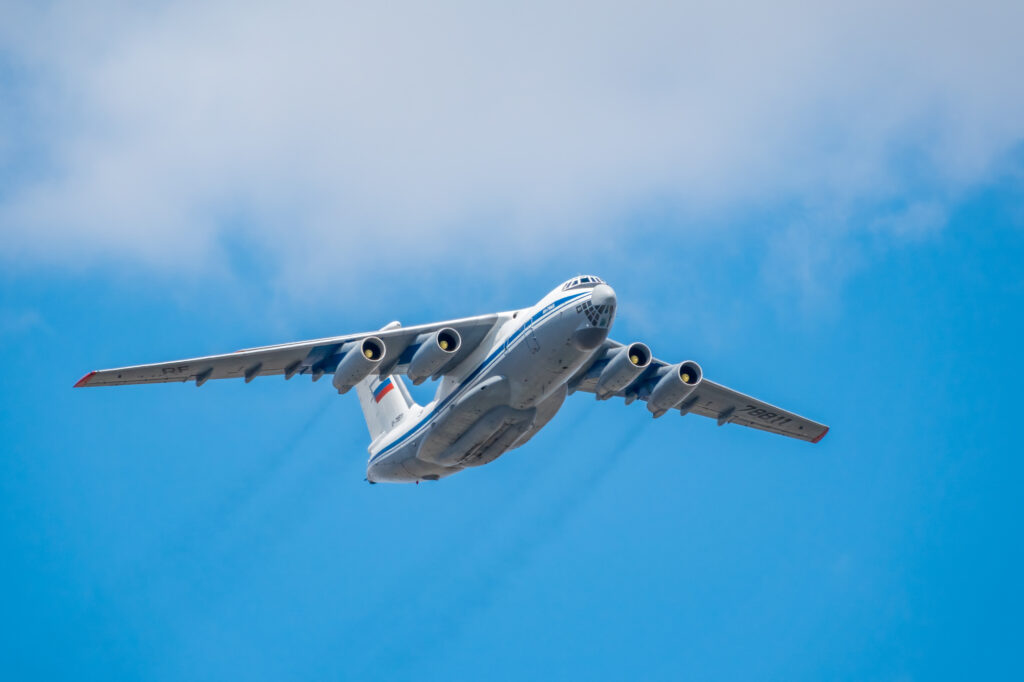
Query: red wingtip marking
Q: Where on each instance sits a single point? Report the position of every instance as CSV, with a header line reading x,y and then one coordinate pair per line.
x,y
821,436
84,380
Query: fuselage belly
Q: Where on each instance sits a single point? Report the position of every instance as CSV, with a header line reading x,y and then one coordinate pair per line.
x,y
515,386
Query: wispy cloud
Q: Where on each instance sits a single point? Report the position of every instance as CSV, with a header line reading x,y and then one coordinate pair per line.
x,y
318,131
15,323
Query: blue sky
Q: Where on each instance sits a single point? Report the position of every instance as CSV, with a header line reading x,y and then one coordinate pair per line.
x,y
830,218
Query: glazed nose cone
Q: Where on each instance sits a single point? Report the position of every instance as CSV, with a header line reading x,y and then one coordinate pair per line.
x,y
602,295
589,336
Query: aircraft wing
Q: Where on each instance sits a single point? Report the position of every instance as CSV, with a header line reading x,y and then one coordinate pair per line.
x,y
316,357
709,399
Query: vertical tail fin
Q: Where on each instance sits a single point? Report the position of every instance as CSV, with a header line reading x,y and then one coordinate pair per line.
x,y
385,402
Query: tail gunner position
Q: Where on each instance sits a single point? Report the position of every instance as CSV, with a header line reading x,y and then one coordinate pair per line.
x,y
501,378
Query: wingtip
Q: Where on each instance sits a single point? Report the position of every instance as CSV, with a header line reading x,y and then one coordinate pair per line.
x,y
820,436
85,380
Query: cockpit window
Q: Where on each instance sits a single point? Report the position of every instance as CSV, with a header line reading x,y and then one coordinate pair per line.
x,y
578,282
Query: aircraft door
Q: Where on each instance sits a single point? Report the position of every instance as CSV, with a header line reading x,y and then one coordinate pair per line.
x,y
529,338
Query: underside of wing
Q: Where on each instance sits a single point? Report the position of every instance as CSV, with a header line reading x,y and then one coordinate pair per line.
x,y
392,350
647,376
732,407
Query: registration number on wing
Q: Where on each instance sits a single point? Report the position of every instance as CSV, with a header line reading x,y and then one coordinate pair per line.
x,y
766,416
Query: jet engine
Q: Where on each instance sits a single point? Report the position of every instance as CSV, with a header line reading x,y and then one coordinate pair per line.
x,y
434,353
358,362
625,366
678,383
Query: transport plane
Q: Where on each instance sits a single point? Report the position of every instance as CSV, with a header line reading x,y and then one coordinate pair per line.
x,y
501,378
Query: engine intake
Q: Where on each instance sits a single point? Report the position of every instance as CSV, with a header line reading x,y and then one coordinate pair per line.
x,y
358,363
624,367
435,351
678,383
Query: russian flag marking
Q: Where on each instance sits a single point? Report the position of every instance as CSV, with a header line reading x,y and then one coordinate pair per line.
x,y
382,390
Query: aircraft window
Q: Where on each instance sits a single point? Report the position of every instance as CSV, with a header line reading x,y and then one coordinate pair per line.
x,y
589,280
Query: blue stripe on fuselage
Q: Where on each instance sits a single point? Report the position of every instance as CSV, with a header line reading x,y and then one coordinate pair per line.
x,y
545,312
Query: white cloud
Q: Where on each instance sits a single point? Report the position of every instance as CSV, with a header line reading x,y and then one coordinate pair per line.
x,y
15,323
315,130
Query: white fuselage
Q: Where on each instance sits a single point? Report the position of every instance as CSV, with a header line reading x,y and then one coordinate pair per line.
x,y
503,393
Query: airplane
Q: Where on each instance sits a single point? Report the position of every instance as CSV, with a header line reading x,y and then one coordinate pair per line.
x,y
502,377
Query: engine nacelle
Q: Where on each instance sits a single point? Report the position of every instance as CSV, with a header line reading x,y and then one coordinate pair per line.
x,y
673,388
624,367
434,352
358,363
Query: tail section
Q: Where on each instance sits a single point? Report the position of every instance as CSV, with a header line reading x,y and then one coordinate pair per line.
x,y
386,402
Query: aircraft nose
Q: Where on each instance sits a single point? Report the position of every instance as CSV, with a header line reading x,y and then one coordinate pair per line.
x,y
602,294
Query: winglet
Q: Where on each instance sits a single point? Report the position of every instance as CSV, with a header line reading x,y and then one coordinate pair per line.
x,y
85,380
822,435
